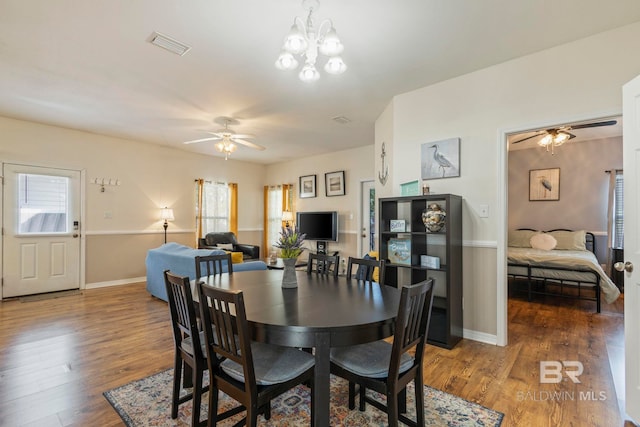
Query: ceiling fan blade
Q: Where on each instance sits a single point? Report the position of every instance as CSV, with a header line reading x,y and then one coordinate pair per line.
x,y
571,136
237,135
593,125
248,144
527,138
212,138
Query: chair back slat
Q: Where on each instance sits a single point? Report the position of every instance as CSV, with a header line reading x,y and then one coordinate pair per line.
x,y
323,264
210,265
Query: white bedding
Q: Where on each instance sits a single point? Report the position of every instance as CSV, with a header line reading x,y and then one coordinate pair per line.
x,y
561,258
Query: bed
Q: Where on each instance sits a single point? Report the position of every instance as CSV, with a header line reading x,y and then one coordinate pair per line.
x,y
558,262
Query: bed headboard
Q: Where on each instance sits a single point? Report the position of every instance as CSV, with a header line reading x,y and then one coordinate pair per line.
x,y
590,238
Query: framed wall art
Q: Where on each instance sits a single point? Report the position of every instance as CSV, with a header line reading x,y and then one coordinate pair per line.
x,y
334,183
544,184
440,159
307,186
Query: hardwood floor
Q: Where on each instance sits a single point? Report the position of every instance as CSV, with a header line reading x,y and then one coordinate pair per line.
x,y
57,356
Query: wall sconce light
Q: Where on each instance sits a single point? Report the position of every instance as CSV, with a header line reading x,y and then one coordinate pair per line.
x,y
105,181
166,214
287,217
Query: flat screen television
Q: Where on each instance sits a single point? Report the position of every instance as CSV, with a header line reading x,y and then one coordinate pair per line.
x,y
318,225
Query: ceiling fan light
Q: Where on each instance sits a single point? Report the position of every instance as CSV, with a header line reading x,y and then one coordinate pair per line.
x,y
220,146
309,73
286,61
335,65
295,42
331,44
561,138
544,142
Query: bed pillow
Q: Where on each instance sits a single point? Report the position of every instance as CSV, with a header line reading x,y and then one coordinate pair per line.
x,y
521,238
570,240
543,241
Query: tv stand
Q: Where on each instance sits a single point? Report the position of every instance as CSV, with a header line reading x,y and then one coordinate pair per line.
x,y
321,247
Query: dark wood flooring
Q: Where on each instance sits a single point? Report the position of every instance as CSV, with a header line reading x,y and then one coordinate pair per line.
x,y
58,356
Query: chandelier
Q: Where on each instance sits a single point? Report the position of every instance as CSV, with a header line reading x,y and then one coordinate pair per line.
x,y
305,41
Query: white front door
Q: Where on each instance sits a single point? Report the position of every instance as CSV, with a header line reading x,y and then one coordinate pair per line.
x,y
41,223
631,152
367,219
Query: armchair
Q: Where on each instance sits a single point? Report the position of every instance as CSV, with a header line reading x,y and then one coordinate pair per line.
x,y
211,240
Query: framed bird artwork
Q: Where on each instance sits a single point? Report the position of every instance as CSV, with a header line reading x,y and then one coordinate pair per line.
x,y
440,159
544,184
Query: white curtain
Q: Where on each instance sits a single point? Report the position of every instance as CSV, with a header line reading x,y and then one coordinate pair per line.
x,y
274,214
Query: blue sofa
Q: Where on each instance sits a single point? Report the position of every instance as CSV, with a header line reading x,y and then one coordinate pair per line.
x,y
180,260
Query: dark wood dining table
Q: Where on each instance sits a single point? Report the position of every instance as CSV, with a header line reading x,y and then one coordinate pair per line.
x,y
322,312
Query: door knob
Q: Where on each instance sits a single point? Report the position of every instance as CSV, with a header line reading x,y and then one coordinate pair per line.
x,y
626,266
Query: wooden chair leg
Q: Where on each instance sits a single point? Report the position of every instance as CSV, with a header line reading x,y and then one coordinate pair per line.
x,y
212,417
197,397
177,373
402,401
419,399
392,409
352,395
363,391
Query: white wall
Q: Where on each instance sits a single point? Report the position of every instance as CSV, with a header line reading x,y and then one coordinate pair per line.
x,y
357,164
579,80
152,176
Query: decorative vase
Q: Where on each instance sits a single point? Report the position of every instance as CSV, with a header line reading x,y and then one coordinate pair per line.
x,y
289,279
434,217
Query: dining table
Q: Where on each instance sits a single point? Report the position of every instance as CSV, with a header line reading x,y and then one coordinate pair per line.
x,y
321,313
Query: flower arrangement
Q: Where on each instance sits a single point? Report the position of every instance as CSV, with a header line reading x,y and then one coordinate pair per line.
x,y
290,242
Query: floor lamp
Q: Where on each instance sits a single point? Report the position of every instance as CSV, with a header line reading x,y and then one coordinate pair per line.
x,y
167,215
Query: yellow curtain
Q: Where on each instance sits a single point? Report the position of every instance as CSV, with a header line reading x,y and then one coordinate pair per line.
x,y
265,222
233,207
199,193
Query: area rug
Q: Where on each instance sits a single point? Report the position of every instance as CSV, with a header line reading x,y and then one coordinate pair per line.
x,y
147,402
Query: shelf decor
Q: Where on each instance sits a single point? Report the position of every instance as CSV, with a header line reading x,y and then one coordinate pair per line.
x,y
399,251
397,226
434,217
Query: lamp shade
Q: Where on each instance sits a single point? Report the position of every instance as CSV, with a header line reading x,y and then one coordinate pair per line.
x,y
287,216
166,214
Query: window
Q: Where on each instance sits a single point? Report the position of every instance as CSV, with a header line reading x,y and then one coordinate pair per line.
x,y
618,212
43,203
215,207
277,198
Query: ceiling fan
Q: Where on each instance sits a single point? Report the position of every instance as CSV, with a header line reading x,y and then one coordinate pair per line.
x,y
227,139
555,137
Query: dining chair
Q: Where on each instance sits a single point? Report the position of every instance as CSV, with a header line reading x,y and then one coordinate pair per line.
x,y
190,352
366,269
323,264
250,372
210,265
388,368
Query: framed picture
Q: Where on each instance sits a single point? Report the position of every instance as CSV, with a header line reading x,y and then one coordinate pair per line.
x,y
544,184
307,186
334,183
440,159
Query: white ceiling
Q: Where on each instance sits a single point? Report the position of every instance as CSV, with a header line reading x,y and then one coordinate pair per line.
x,y
87,64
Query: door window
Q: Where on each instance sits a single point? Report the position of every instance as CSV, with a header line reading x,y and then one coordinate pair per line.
x,y
43,204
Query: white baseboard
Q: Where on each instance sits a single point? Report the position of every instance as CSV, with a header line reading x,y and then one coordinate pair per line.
x,y
480,336
115,282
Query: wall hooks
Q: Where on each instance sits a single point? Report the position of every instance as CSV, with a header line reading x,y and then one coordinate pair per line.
x,y
105,181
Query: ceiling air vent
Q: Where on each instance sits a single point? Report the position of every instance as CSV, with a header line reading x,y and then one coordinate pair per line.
x,y
166,42
342,120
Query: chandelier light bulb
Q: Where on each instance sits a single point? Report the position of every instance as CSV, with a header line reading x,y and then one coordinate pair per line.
x,y
331,44
309,73
286,61
296,42
335,65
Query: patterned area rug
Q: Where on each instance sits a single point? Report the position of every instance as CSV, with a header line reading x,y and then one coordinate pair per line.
x,y
147,402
